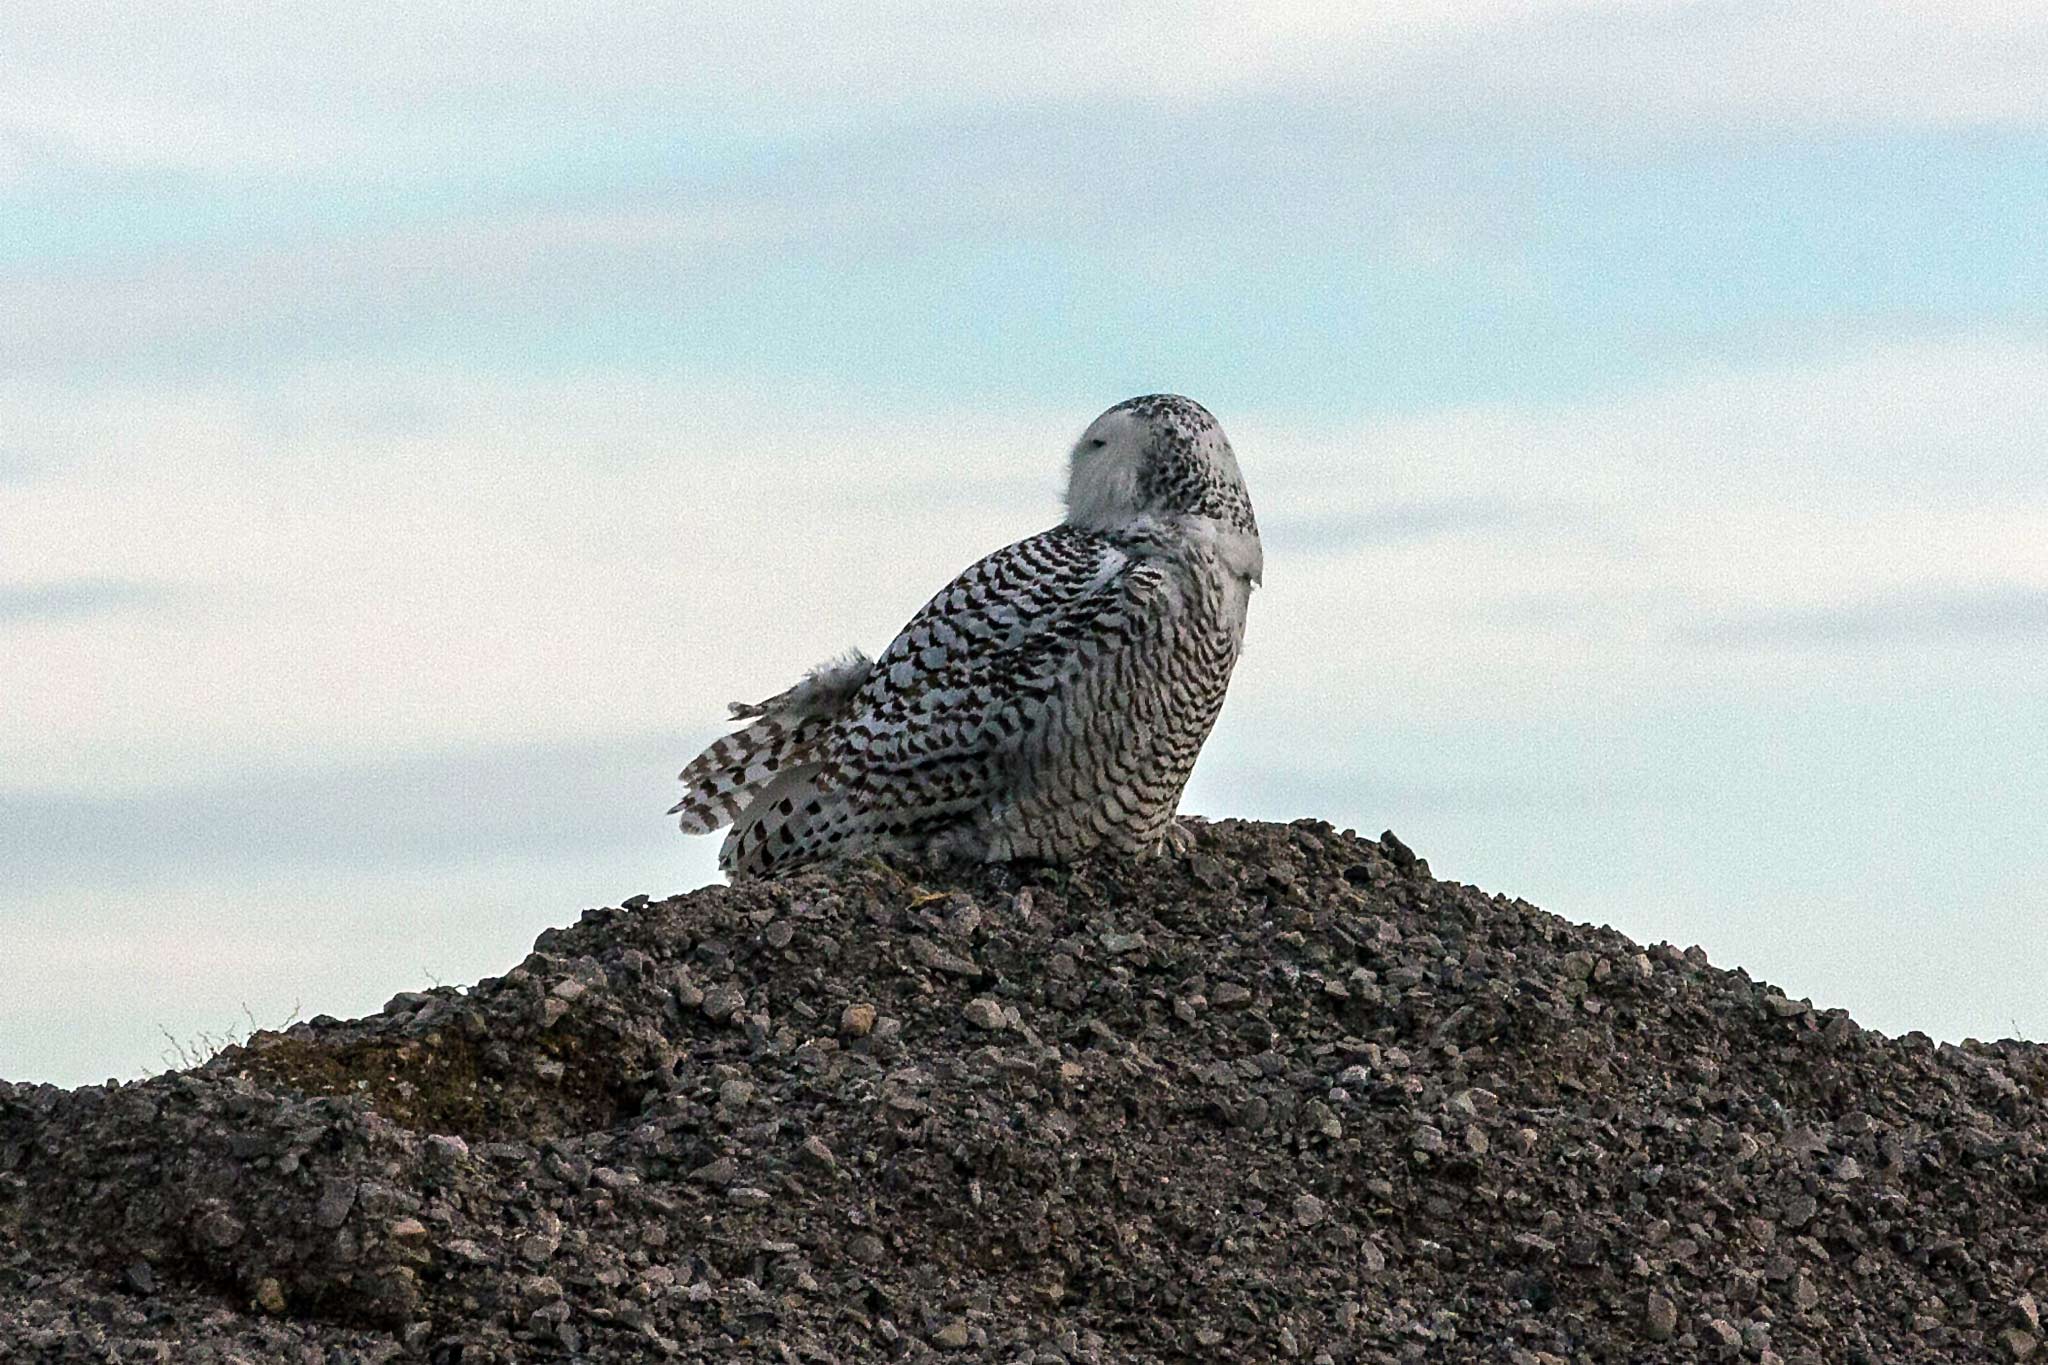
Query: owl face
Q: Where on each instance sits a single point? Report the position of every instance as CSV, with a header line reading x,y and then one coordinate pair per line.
x,y
1156,456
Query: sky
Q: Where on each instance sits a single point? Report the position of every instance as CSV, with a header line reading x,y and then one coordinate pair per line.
x,y
415,426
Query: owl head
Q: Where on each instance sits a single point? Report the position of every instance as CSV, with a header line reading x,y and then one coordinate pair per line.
x,y
1159,456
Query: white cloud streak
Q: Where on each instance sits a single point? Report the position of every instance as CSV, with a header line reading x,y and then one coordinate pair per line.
x,y
374,565
260,89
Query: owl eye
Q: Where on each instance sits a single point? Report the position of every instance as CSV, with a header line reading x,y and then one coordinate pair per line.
x,y
1098,443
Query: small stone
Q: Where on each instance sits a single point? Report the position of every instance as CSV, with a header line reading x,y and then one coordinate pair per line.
x,y
735,1093
408,1230
447,1149
857,1021
952,1337
1229,995
1660,1316
217,1229
984,1013
1324,1120
1398,853
141,1277
749,1196
866,1248
722,1002
818,1154
1804,1295
1798,1211
1724,1334
337,1197
270,1296
2027,1312
569,991
1784,1008
2019,1344
931,956
719,1173
1308,1210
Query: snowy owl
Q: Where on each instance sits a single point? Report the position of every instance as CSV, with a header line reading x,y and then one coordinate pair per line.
x,y
1049,701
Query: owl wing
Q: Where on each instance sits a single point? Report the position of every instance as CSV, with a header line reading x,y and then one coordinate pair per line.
x,y
981,675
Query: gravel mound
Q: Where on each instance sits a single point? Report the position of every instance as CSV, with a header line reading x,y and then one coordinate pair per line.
x,y
1284,1097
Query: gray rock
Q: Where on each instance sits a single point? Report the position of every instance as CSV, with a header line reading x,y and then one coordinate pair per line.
x,y
984,1013
722,1002
1723,1333
1660,1316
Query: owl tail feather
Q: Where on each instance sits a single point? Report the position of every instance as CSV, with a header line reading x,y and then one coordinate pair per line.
x,y
720,783
764,831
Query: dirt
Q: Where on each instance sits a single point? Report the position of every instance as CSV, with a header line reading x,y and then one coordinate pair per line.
x,y
1283,1097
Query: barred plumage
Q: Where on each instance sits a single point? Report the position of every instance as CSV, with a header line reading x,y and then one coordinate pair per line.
x,y
1049,701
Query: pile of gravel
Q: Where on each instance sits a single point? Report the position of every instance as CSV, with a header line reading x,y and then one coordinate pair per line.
x,y
1286,1097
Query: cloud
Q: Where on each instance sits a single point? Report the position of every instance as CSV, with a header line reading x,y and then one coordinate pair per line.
x,y
379,562
422,810
1303,531
1955,616
1902,473
75,598
340,89
1422,266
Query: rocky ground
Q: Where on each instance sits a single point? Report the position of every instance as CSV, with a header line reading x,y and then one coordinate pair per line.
x,y
1284,1098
